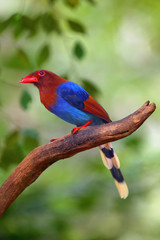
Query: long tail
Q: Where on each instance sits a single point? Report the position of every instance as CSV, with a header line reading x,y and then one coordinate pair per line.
x,y
111,161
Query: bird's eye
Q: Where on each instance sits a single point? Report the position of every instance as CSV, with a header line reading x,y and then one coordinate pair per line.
x,y
41,73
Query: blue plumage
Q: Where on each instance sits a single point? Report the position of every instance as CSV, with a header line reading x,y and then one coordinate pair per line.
x,y
70,104
73,94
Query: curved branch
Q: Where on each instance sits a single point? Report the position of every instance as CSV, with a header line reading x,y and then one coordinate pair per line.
x,y
42,157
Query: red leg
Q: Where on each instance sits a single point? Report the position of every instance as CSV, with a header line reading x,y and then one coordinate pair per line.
x,y
76,129
53,139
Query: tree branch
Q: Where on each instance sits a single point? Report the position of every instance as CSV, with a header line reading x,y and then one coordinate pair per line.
x,y
42,157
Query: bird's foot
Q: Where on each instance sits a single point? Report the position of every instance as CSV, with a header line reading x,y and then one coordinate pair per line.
x,y
76,129
53,139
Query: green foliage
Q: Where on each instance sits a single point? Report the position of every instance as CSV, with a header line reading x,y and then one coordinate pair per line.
x,y
50,23
90,87
76,26
17,145
134,142
92,1
72,3
25,99
20,25
12,152
29,140
43,54
4,24
24,24
79,50
18,60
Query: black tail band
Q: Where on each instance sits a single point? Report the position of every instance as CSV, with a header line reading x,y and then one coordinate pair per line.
x,y
116,173
108,152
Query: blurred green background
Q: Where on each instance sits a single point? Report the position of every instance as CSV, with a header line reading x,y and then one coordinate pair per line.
x,y
112,48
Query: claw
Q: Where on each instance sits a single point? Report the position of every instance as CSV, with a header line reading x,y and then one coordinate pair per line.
x,y
53,139
76,129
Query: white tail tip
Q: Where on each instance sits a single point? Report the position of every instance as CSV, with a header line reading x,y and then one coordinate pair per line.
x,y
122,189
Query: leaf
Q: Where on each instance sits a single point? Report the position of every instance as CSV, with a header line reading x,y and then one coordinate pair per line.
x,y
8,22
72,3
76,26
18,30
12,153
17,145
91,1
49,23
25,99
30,140
21,24
25,24
79,50
43,55
20,60
12,138
33,31
90,87
4,25
23,57
65,76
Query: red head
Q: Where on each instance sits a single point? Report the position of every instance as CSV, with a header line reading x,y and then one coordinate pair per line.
x,y
42,77
47,83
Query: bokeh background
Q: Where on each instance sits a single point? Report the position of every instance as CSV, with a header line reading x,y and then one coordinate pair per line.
x,y
112,48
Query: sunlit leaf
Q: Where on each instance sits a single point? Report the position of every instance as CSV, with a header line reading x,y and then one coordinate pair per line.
x,y
16,18
43,55
90,87
79,50
25,99
76,26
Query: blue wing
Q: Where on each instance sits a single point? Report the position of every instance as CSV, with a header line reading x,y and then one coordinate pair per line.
x,y
76,106
73,94
81,99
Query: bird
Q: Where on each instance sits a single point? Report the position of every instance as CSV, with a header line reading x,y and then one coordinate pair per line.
x,y
72,103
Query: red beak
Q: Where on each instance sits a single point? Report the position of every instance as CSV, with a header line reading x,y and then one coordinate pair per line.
x,y
29,79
